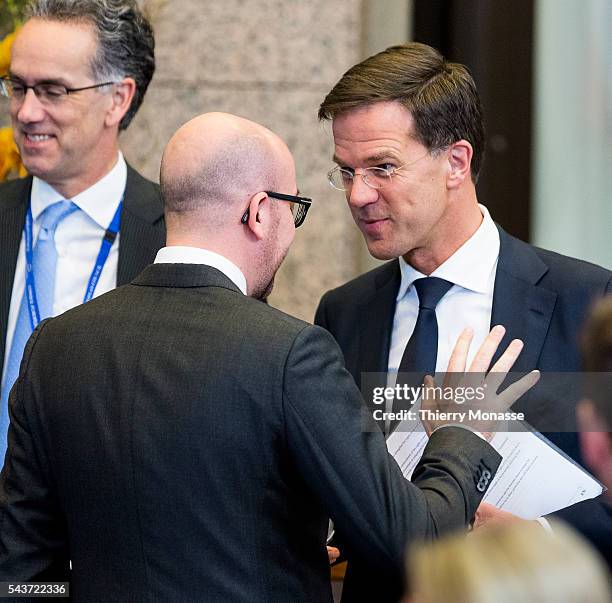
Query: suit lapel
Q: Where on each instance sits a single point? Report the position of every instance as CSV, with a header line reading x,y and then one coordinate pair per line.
x,y
14,199
376,321
519,304
142,233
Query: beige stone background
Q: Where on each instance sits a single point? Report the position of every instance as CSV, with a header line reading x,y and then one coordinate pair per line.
x,y
272,61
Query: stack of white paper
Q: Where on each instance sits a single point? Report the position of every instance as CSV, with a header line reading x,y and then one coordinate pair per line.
x,y
534,478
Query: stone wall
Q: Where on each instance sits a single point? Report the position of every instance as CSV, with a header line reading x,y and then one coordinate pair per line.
x,y
272,61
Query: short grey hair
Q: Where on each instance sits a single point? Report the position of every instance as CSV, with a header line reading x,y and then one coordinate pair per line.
x,y
126,47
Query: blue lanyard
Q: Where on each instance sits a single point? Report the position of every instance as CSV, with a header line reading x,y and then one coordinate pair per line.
x,y
107,242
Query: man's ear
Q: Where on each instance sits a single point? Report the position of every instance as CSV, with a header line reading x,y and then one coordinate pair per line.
x,y
122,94
460,160
595,439
259,213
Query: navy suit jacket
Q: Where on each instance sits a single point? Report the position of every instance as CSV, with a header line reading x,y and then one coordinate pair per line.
x,y
540,297
143,233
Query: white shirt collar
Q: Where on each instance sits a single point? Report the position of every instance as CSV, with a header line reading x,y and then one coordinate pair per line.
x,y
469,267
195,255
99,201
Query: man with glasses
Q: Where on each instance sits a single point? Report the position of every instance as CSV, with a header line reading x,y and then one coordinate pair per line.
x,y
181,441
83,221
409,144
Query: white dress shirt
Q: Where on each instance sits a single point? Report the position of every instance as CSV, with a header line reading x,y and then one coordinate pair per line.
x,y
77,239
467,303
195,255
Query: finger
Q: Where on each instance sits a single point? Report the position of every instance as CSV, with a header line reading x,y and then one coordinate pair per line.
x,y
483,514
428,399
429,385
454,379
428,402
458,358
485,509
513,392
508,358
506,361
487,350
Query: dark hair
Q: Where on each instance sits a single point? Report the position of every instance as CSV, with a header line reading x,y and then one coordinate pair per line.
x,y
441,96
126,47
597,357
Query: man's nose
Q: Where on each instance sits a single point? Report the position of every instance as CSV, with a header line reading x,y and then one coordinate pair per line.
x,y
30,109
360,194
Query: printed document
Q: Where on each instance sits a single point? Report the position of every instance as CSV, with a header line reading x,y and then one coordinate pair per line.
x,y
535,478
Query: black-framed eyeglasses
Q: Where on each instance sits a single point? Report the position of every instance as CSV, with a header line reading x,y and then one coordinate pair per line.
x,y
299,207
49,93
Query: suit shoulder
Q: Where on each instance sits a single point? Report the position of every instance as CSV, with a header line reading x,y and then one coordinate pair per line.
x,y
559,272
264,317
277,330
14,188
573,269
261,320
138,185
362,285
140,181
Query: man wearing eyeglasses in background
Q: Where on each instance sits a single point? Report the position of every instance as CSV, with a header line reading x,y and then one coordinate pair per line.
x,y
84,221
409,143
209,436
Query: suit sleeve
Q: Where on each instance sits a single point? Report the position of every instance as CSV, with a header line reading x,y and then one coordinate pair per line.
x,y
341,453
33,536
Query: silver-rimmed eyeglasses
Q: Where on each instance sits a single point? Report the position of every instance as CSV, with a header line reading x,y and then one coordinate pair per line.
x,y
341,178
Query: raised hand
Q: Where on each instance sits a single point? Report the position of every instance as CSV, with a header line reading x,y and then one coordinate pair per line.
x,y
486,411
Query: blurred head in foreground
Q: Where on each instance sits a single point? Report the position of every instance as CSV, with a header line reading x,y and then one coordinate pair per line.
x,y
595,411
509,563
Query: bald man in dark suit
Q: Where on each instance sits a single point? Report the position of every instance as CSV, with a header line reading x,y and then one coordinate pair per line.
x,y
178,440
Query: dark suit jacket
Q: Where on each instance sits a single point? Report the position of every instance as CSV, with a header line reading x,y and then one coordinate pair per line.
x,y
142,234
182,442
540,297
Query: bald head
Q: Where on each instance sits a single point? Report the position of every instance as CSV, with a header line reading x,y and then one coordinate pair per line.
x,y
214,163
215,168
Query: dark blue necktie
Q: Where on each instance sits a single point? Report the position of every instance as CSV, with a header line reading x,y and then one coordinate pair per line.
x,y
421,353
